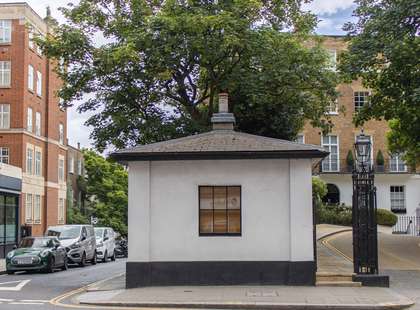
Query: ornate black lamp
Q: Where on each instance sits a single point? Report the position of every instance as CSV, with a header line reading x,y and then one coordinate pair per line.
x,y
365,235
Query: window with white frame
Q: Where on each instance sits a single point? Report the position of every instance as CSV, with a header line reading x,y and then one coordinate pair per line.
x,y
39,83
5,31
38,123
60,168
29,160
361,98
4,155
61,133
28,209
30,78
333,107
71,164
300,138
79,167
397,195
38,48
5,116
29,118
61,211
5,73
37,209
332,59
31,39
38,162
331,163
397,164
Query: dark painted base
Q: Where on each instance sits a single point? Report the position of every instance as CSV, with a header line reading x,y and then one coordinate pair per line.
x,y
372,280
220,273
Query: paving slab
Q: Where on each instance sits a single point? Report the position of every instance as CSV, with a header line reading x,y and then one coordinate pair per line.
x,y
246,297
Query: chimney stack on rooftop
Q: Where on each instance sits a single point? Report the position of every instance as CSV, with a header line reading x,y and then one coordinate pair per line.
x,y
223,120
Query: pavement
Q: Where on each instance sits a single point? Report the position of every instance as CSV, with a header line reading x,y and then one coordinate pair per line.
x,y
245,297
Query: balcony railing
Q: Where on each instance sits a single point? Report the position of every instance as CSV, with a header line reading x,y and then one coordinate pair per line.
x,y
341,166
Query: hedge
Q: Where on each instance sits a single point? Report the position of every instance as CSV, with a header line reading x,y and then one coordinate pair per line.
x,y
342,215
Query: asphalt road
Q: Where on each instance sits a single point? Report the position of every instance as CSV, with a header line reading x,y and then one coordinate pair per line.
x,y
396,252
36,290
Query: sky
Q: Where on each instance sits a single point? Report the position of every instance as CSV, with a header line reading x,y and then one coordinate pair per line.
x,y
331,13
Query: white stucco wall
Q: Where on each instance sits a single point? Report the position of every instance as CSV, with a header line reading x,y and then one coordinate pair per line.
x,y
382,183
163,210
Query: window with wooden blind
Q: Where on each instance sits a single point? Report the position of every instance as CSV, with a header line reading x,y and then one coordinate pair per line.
x,y
220,210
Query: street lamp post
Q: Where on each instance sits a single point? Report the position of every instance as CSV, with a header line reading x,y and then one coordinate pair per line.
x,y
365,235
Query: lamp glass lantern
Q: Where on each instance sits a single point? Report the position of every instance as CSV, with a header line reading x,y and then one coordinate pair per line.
x,y
363,148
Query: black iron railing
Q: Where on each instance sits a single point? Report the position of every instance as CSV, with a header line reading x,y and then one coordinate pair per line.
x,y
342,166
407,225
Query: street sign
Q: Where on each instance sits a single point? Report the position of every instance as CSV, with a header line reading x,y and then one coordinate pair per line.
x,y
93,220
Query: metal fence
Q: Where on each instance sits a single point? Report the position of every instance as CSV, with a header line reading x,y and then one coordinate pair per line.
x,y
407,225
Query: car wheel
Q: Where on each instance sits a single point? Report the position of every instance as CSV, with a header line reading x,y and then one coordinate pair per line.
x,y
65,267
105,257
94,259
113,257
83,260
10,272
50,268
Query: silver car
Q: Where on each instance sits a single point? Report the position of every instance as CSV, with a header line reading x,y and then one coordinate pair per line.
x,y
105,243
78,240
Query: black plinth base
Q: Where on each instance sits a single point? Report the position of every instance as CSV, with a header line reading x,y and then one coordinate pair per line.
x,y
378,280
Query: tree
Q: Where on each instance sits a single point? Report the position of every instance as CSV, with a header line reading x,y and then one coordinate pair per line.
x,y
384,51
158,72
107,191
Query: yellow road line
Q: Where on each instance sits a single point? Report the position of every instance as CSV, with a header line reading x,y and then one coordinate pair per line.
x,y
326,243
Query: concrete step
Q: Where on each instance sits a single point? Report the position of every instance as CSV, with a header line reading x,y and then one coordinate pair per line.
x,y
339,283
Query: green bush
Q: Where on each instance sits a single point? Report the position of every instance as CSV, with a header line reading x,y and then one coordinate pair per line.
x,y
342,215
350,159
385,217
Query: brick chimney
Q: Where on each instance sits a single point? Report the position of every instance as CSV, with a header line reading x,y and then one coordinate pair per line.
x,y
223,120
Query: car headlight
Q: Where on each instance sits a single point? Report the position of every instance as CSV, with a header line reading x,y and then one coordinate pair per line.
x,y
45,253
10,254
75,245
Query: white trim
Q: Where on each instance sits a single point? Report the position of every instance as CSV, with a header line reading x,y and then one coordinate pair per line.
x,y
41,138
338,152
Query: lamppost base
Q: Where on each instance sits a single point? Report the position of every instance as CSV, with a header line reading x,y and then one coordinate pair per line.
x,y
378,280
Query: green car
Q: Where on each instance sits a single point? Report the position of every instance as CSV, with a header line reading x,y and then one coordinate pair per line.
x,y
37,253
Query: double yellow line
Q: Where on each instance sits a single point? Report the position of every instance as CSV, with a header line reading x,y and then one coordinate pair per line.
x,y
326,242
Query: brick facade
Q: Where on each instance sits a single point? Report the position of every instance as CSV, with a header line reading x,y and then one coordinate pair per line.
x,y
41,180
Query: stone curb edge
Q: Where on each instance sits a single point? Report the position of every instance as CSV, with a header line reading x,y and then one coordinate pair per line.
x,y
403,304
334,233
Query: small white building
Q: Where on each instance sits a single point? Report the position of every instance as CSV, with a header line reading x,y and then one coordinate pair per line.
x,y
220,208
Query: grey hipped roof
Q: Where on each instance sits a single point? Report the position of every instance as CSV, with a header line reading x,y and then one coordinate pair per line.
x,y
220,144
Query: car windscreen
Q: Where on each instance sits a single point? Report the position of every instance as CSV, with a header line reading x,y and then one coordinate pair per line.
x,y
65,232
99,232
36,243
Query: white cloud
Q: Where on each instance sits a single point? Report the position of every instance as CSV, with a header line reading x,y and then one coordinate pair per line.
x,y
328,7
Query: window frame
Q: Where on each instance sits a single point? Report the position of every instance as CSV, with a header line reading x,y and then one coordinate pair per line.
x,y
396,160
61,169
328,158
61,133
61,218
31,77
398,209
366,96
5,70
224,234
4,116
37,215
29,119
70,167
38,162
38,121
29,159
4,148
29,215
6,25
39,83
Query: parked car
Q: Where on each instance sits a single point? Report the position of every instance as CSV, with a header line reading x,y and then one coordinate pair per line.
x,y
37,253
121,247
79,241
105,243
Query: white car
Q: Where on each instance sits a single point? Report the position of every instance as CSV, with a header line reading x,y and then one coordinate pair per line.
x,y
105,243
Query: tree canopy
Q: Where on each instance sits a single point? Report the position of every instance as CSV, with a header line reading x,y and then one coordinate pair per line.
x,y
106,191
158,66
384,51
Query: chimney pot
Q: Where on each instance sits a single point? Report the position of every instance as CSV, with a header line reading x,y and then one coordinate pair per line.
x,y
223,120
78,145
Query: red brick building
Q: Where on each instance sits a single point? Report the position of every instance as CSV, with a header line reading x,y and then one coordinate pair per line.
x,y
32,125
